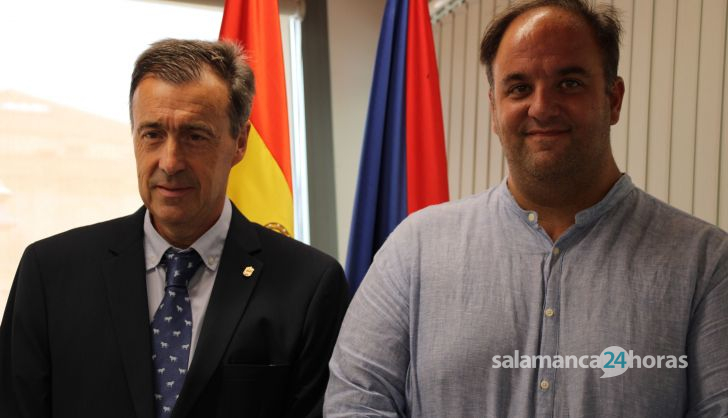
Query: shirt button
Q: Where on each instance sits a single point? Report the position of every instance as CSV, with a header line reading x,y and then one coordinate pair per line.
x,y
531,217
210,260
557,251
549,312
544,385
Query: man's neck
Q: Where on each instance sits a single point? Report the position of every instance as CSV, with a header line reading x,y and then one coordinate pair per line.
x,y
558,202
183,236
179,237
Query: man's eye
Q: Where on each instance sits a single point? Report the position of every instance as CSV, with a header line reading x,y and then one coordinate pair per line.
x,y
197,137
519,90
571,84
151,135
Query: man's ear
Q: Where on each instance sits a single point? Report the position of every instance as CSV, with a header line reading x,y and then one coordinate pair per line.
x,y
616,94
241,142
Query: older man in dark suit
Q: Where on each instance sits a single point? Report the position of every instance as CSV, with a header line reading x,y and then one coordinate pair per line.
x,y
184,308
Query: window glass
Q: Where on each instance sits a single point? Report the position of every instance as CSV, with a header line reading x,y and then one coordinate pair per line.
x,y
66,157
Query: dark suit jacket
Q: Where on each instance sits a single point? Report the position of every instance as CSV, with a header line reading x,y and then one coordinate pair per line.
x,y
75,338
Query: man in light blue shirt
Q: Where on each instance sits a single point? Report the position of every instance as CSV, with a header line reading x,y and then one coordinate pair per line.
x,y
623,298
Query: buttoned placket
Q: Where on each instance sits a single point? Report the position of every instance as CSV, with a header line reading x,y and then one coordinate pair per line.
x,y
551,270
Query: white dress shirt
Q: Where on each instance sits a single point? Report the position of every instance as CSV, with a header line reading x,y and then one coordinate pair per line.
x,y
209,246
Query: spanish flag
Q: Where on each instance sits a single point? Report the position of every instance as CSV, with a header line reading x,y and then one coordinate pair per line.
x,y
260,185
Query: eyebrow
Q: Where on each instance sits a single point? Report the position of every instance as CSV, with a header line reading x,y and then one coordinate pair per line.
x,y
513,77
571,70
191,126
196,126
148,125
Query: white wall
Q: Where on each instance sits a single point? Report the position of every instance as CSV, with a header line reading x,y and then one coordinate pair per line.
x,y
353,35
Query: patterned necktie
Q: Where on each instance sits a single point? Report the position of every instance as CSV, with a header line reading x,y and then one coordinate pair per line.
x,y
172,330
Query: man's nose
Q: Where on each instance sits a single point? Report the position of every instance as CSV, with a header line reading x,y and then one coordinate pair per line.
x,y
544,104
172,159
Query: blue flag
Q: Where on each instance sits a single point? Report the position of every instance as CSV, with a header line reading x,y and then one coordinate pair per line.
x,y
403,166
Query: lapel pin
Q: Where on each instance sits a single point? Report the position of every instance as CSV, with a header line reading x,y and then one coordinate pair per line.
x,y
248,271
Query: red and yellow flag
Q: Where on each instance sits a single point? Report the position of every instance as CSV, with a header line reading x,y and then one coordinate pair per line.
x,y
260,185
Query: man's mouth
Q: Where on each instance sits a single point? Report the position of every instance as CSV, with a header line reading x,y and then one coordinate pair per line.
x,y
172,191
546,132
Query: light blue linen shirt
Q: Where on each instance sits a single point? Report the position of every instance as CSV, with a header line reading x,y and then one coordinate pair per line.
x,y
459,283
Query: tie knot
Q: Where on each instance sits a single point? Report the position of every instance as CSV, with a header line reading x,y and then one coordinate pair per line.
x,y
181,265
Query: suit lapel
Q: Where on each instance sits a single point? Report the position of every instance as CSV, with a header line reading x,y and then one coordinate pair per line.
x,y
127,294
236,278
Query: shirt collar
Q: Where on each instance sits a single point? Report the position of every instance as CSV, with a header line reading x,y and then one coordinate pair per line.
x,y
619,190
209,245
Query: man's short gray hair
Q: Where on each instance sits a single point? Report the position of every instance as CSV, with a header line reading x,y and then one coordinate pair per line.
x,y
179,61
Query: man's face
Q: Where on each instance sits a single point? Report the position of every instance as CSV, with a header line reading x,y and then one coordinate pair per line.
x,y
184,151
549,97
